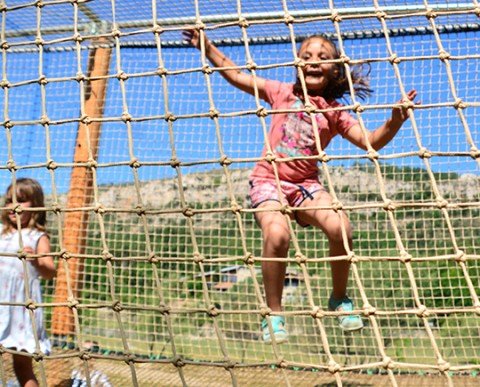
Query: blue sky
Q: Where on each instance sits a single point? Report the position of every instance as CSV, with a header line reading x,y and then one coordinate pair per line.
x,y
195,140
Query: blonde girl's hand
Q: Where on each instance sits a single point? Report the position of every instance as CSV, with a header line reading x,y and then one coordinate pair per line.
x,y
400,114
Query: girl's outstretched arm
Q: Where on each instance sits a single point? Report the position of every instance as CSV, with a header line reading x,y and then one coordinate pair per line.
x,y
385,133
236,77
44,264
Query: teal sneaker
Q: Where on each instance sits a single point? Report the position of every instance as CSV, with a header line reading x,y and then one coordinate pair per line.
x,y
278,328
348,323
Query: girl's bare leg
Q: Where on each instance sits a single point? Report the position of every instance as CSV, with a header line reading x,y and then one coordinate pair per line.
x,y
276,241
24,371
330,222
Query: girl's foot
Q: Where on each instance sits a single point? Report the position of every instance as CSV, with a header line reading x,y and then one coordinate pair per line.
x,y
348,323
278,328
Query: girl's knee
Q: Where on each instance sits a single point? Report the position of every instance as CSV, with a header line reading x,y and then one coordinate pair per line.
x,y
276,237
339,229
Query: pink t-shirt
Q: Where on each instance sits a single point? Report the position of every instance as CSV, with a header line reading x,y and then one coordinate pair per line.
x,y
291,134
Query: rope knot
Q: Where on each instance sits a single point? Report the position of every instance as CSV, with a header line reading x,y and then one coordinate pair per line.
x,y
474,153
79,77
300,258
286,210
288,19
140,210
42,80
52,165
30,304
430,14
422,311
251,65
85,119
460,256
188,212
337,205
38,356
117,306
236,208
64,254
387,363
333,366
424,153
152,258
352,258
213,113
206,69
126,117
358,108
389,205
161,71
459,104
169,116
261,112
369,310
380,15
299,63
265,311
157,30
309,108
443,55
99,208
394,59
116,33
198,258
164,309
335,17
443,365
270,157
4,84
39,41
56,208
213,311
129,358
249,259
134,163
199,25
405,257
230,364
122,76
174,162
317,312
442,203
91,164
72,302
107,256
243,23
225,161
323,157
85,355
282,364
178,362
8,124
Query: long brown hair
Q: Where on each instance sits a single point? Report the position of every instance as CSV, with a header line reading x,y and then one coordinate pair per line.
x,y
338,86
26,190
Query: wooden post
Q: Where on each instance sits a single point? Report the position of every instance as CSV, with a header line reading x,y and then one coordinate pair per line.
x,y
80,193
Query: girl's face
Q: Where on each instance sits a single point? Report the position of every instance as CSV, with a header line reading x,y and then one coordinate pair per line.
x,y
25,216
317,76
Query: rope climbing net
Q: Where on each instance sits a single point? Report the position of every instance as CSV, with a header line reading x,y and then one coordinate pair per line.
x,y
144,152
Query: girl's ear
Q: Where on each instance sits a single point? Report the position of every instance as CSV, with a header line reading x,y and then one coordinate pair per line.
x,y
339,71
